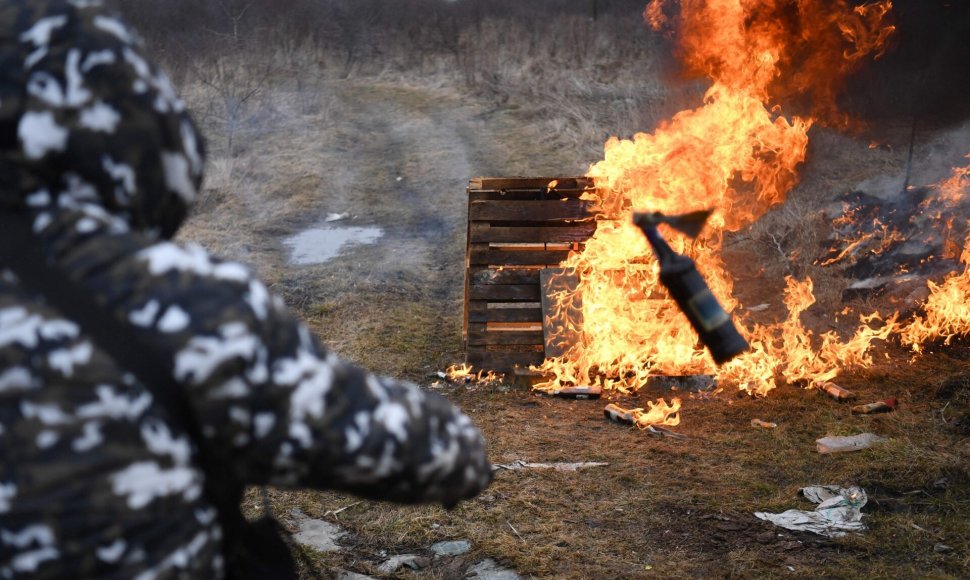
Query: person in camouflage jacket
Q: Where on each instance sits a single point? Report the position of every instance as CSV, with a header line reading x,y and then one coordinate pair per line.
x,y
96,480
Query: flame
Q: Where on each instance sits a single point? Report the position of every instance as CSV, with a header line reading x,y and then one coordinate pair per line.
x,y
658,413
946,311
464,373
738,153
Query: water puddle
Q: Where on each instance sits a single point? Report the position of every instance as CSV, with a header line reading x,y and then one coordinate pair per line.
x,y
323,243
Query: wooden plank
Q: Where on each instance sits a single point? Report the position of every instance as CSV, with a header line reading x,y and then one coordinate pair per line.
x,y
495,338
478,275
485,256
503,292
524,195
479,312
504,362
529,211
559,319
513,326
528,182
483,232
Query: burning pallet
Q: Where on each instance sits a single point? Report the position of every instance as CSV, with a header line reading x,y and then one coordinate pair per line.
x,y
517,228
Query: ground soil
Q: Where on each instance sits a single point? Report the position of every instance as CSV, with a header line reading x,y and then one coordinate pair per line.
x,y
398,156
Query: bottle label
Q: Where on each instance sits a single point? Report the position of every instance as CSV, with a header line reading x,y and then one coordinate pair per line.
x,y
707,310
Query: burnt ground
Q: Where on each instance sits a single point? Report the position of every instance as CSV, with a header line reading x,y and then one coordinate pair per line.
x,y
661,507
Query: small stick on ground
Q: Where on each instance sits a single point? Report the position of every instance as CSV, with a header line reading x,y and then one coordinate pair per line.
x,y
334,513
517,534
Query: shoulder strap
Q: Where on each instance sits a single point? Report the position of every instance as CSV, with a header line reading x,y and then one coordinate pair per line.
x,y
20,251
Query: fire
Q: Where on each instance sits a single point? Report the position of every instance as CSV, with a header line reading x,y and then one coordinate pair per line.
x,y
659,413
947,310
465,373
946,313
737,153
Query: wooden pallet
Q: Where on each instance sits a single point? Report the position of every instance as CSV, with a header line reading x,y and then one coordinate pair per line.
x,y
516,227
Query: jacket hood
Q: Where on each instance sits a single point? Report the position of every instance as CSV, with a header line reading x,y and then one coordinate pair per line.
x,y
87,120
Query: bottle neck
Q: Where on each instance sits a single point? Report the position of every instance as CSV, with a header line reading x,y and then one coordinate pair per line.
x,y
665,254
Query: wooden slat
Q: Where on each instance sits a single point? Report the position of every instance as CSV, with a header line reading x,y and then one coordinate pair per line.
x,y
494,338
479,312
479,275
527,182
503,292
501,361
523,194
529,211
479,256
482,232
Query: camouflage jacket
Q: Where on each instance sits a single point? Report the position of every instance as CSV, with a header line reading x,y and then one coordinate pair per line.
x,y
98,152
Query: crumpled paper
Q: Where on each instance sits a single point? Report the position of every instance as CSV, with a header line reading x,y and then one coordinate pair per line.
x,y
838,512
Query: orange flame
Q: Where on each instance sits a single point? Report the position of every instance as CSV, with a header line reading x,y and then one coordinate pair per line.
x,y
946,313
737,153
464,373
947,310
658,413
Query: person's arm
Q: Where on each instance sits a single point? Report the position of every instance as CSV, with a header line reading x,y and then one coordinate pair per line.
x,y
266,392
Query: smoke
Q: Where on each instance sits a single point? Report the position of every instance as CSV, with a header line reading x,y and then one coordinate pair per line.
x,y
925,74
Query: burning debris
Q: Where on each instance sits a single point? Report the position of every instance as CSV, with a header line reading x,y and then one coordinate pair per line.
x,y
657,414
464,374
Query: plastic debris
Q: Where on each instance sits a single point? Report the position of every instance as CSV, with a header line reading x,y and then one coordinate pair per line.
x,y
618,414
941,548
838,512
594,392
763,424
876,407
335,217
848,443
835,391
519,464
663,432
452,548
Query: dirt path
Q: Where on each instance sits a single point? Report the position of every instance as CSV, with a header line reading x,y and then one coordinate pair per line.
x,y
395,157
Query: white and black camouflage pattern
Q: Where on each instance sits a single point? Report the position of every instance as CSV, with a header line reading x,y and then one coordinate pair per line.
x,y
98,152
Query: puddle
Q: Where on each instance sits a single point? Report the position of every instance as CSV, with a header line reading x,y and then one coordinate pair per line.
x,y
323,243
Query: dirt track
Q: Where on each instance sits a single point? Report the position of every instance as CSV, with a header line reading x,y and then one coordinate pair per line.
x,y
392,156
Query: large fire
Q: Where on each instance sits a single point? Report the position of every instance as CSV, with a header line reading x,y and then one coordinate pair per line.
x,y
736,153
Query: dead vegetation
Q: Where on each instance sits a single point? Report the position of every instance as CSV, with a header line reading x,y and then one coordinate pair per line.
x,y
329,107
